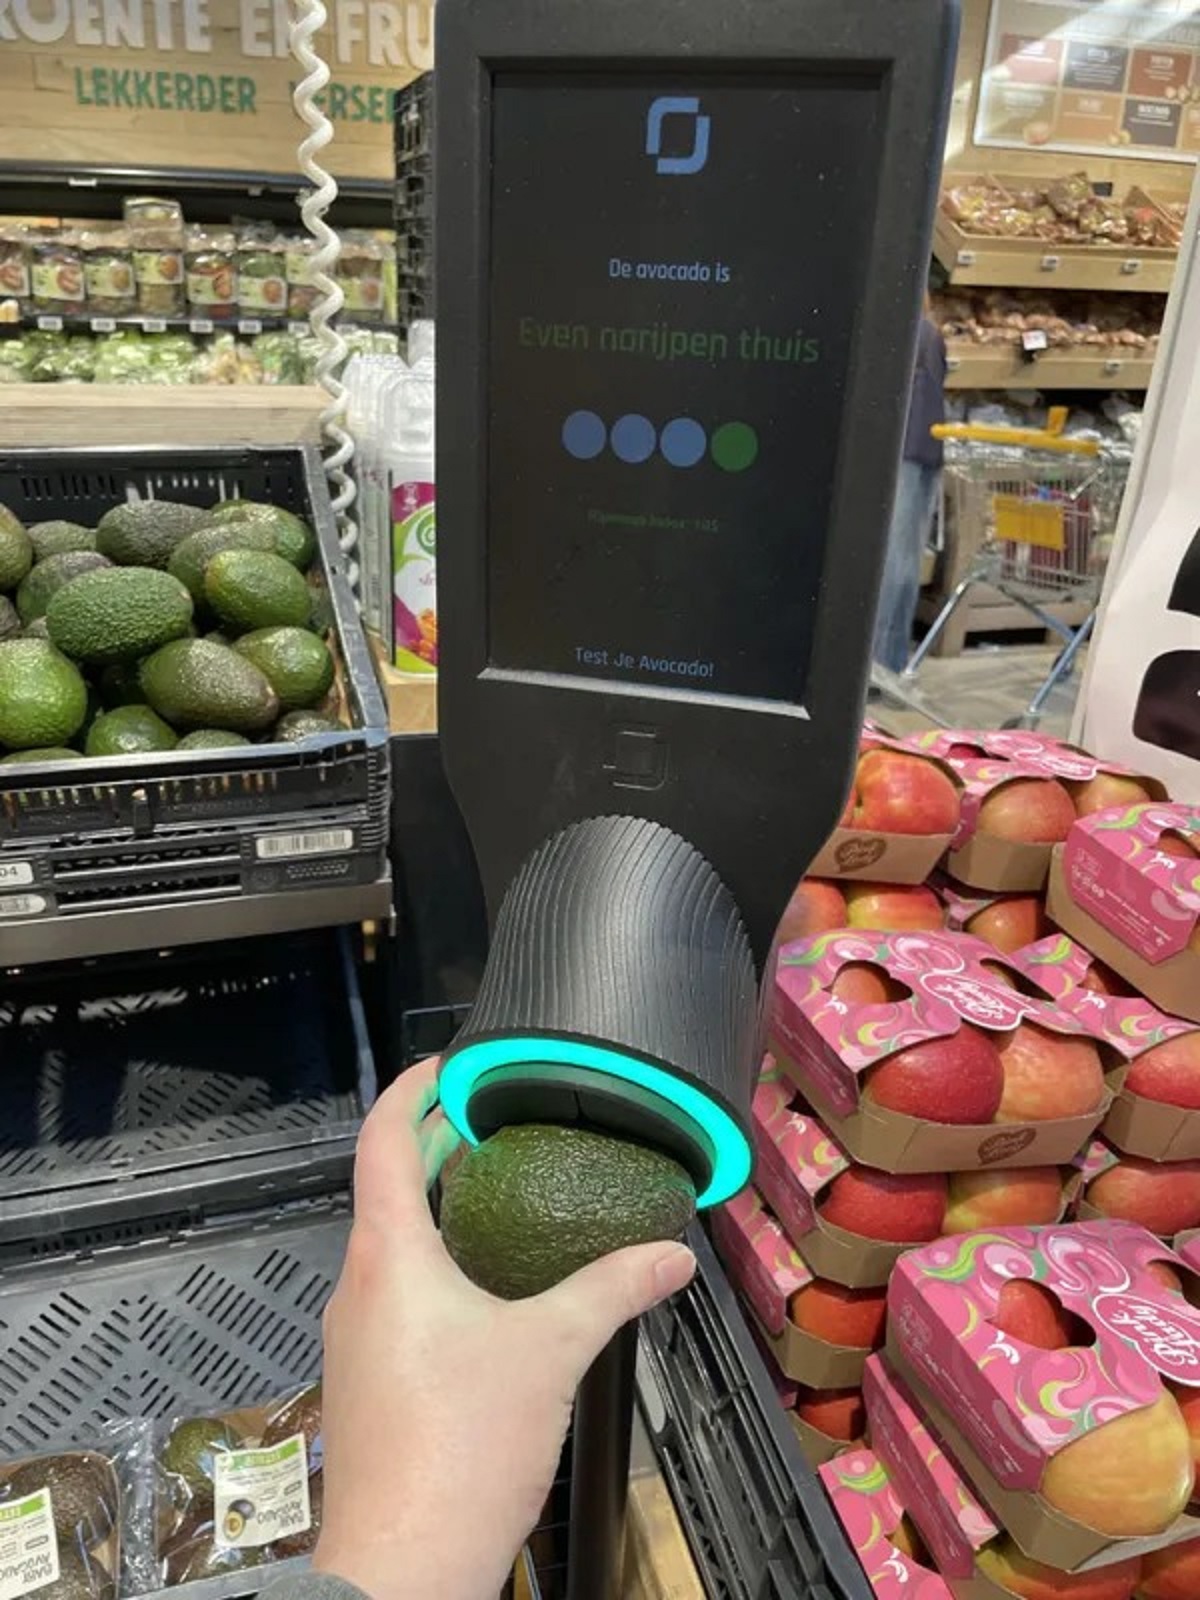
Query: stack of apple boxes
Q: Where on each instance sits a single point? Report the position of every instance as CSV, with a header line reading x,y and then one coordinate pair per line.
x,y
926,1124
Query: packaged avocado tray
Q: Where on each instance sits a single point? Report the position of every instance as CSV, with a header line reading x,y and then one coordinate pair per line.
x,y
141,851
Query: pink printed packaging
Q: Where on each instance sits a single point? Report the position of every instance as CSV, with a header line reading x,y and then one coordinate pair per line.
x,y
1009,1412
940,1501
1074,768
869,1510
767,1272
1128,888
796,1161
871,850
828,1046
1138,1123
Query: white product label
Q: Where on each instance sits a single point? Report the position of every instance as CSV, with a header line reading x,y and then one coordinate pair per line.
x,y
28,1546
260,1495
320,842
15,874
22,905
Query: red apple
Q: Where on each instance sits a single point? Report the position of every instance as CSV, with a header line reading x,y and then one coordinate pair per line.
x,y
1011,923
1028,811
1188,1401
1030,1313
1010,1569
1170,1072
1166,1275
1101,979
961,751
901,1208
1048,1075
1174,844
1106,791
861,983
1164,1197
851,1317
1012,1197
837,1413
1128,1477
1172,1574
816,907
894,908
956,1079
898,793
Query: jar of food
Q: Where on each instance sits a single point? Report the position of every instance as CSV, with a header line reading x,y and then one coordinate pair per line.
x,y
262,278
108,273
15,282
158,268
57,276
212,274
302,295
359,273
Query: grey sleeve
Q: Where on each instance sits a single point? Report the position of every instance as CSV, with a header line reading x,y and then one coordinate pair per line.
x,y
311,1586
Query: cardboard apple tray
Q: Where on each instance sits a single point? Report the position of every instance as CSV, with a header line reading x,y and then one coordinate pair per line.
x,y
1128,1026
1130,903
796,1162
879,856
826,1046
1001,1408
940,1501
767,1271
869,1510
1051,757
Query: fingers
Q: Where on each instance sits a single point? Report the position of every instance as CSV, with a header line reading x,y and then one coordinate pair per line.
x,y
588,1307
438,1141
390,1164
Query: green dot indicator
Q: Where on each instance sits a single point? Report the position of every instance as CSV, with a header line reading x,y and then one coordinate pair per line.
x,y
735,446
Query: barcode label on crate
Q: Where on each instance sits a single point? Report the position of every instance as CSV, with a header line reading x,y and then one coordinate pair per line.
x,y
15,874
22,905
261,1495
317,842
28,1545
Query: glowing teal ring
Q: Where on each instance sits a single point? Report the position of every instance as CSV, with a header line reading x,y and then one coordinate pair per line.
x,y
732,1158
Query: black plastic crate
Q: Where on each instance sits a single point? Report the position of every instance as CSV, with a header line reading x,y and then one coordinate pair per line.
x,y
212,1078
413,201
415,298
182,837
414,120
755,1514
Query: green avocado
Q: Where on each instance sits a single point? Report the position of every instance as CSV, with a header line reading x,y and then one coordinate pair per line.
x,y
251,589
189,1452
145,532
83,1492
49,576
210,739
190,559
16,550
294,539
53,752
533,1204
129,730
296,725
52,538
195,683
119,614
296,664
202,1557
43,700
10,619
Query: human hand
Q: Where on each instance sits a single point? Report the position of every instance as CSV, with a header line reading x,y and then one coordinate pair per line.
x,y
444,1408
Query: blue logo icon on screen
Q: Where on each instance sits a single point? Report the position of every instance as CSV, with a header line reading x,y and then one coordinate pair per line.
x,y
668,105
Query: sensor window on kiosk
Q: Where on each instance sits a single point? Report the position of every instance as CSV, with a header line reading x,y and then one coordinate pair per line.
x,y
676,267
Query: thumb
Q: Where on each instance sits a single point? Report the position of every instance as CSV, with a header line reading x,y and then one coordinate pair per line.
x,y
587,1308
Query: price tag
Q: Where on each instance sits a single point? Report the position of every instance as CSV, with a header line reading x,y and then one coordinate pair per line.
x,y
15,874
50,324
1131,266
23,905
260,1495
1034,339
103,325
200,325
250,325
154,325
965,258
1051,263
1112,366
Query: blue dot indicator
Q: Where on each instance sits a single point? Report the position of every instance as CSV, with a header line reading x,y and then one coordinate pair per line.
x,y
583,435
683,442
633,439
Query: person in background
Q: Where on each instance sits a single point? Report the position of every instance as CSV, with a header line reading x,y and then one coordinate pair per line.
x,y
916,498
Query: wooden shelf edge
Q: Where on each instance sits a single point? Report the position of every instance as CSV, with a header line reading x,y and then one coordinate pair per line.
x,y
112,414
1004,367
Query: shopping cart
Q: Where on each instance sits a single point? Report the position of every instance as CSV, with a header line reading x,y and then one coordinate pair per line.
x,y
1039,509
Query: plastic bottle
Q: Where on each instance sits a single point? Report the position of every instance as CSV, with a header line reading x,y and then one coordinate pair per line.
x,y
409,453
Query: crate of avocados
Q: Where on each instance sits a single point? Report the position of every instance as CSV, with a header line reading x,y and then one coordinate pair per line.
x,y
194,743
756,1517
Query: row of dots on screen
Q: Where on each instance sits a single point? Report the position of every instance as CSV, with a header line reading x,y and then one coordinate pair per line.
x,y
681,442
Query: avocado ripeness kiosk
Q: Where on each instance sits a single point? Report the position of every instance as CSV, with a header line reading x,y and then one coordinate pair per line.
x,y
681,250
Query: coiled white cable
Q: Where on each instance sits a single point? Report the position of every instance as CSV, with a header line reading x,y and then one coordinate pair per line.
x,y
308,17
